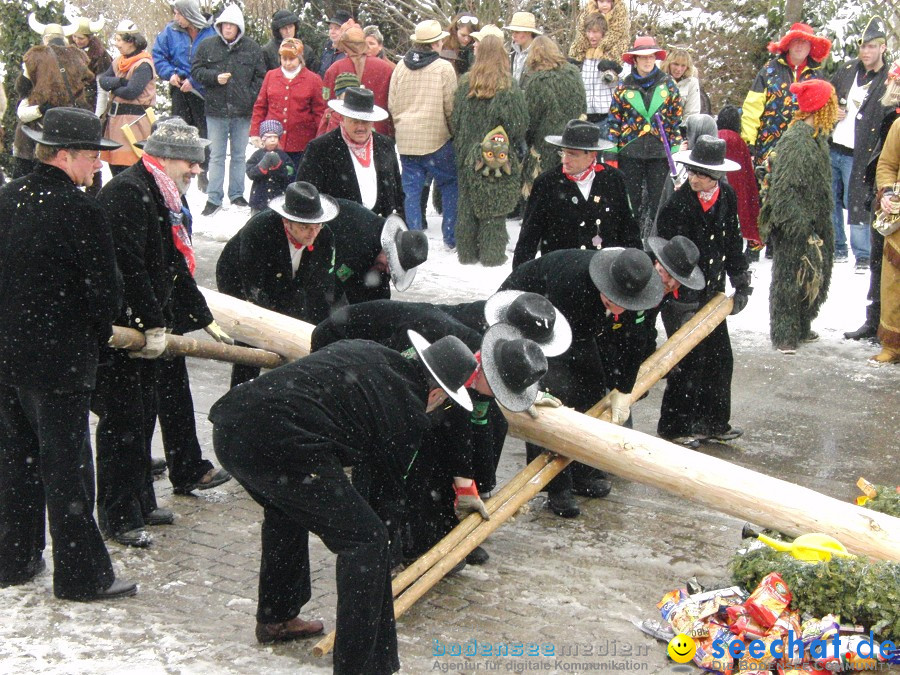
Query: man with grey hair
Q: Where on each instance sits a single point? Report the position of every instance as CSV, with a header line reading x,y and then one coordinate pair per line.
x,y
146,210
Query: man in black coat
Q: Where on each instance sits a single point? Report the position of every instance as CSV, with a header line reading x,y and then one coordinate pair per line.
x,y
697,401
146,210
578,204
286,24
282,259
353,161
286,437
59,292
603,295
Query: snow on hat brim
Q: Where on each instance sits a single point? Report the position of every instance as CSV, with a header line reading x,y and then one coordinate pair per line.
x,y
819,46
497,306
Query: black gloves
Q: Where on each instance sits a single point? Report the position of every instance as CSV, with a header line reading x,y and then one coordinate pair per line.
x,y
742,291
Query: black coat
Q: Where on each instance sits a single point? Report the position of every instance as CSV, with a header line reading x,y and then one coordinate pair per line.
x,y
866,139
356,398
717,233
273,60
557,216
255,265
606,350
59,286
327,164
150,263
356,232
244,60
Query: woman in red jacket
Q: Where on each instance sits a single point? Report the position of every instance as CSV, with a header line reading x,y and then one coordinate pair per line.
x,y
743,181
291,94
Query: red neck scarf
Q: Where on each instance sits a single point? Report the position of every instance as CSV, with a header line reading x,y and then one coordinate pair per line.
x,y
294,242
362,151
707,199
172,198
578,177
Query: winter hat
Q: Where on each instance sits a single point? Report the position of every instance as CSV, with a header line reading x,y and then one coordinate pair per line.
x,y
291,47
819,46
513,366
282,18
626,276
190,10
450,363
271,127
84,26
176,139
729,118
524,21
344,81
812,94
644,45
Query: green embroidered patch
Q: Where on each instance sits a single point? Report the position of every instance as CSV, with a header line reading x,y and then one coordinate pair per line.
x,y
326,93
343,273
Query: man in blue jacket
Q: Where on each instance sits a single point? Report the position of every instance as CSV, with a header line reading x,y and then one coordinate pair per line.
x,y
172,53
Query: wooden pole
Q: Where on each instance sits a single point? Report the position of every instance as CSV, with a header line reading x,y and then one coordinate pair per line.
x,y
178,345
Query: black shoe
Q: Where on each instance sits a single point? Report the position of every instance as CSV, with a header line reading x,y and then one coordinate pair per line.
x,y
159,517
240,201
30,573
158,466
210,209
478,556
137,538
212,478
563,504
597,488
862,265
117,589
865,332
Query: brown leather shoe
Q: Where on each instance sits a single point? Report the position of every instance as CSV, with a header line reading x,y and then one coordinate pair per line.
x,y
295,629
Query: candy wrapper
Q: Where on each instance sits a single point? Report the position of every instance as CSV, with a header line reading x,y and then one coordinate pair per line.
x,y
769,600
819,629
670,601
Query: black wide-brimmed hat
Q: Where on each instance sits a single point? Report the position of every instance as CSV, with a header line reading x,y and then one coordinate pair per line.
x,y
73,128
708,155
302,203
534,316
449,361
358,104
626,276
513,366
405,250
679,256
580,135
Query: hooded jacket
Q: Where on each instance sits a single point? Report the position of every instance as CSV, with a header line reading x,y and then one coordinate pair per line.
x,y
242,58
174,50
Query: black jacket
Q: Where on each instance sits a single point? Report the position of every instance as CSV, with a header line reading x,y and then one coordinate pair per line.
x,y
327,164
557,216
356,399
356,233
255,265
273,60
717,233
244,60
329,56
151,266
866,138
266,186
59,286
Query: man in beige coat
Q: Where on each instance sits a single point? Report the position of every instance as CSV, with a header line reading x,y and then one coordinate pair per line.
x,y
420,100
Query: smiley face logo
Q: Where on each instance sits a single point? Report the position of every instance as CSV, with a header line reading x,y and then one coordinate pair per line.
x,y
681,648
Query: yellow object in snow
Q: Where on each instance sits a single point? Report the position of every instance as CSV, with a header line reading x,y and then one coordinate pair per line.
x,y
815,547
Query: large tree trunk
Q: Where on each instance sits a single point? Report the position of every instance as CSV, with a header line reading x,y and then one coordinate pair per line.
x,y
793,12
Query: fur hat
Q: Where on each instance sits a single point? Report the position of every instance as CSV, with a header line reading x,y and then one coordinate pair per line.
x,y
819,46
291,47
812,94
267,127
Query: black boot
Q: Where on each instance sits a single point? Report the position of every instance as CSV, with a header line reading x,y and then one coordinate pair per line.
x,y
868,330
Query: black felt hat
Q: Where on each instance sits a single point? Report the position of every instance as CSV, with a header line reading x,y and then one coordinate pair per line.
x,y
679,256
405,250
513,366
580,135
74,128
302,203
449,361
534,316
626,276
707,155
358,104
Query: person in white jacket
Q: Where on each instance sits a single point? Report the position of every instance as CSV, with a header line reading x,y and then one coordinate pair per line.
x,y
680,65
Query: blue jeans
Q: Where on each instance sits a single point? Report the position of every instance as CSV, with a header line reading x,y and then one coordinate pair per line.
x,y
417,169
220,129
841,166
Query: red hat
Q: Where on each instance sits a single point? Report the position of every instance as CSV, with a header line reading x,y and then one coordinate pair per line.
x,y
812,94
819,46
644,45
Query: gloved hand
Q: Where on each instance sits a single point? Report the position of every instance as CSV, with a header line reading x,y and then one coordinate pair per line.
x,y
469,501
217,334
28,113
269,161
154,345
620,405
741,296
544,399
255,141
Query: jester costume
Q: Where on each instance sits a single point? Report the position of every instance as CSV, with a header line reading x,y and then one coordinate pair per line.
x,y
796,215
487,134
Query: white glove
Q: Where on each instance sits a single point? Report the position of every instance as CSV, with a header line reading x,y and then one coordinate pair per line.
x,y
28,113
217,334
154,344
546,400
469,501
620,405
